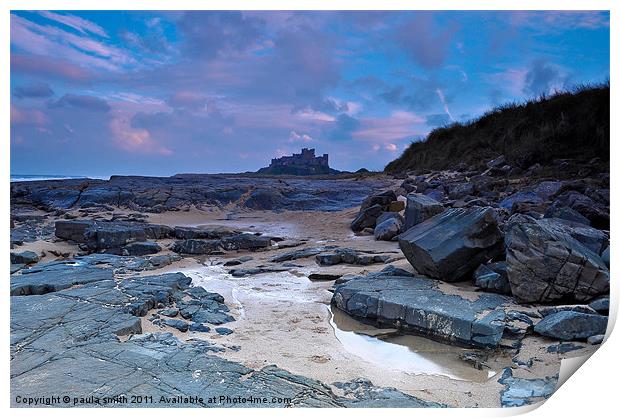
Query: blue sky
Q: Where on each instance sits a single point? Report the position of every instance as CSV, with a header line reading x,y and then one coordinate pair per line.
x,y
159,93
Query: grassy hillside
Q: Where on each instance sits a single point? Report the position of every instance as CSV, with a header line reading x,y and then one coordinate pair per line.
x,y
572,124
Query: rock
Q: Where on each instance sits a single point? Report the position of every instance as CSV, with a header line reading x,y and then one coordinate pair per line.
x,y
324,276
169,312
389,215
387,229
597,214
460,190
237,261
420,208
591,238
303,253
328,259
417,305
382,199
605,256
563,348
25,257
493,277
537,196
546,311
520,392
255,270
55,276
245,241
596,339
567,214
568,325
196,246
435,194
198,327
176,324
600,305
396,206
141,248
366,218
545,264
223,331
349,256
496,162
451,245
186,232
73,230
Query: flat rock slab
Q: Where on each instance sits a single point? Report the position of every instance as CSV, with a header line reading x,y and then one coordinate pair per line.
x,y
416,304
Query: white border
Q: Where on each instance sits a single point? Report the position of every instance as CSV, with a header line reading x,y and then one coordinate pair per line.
x,y
592,391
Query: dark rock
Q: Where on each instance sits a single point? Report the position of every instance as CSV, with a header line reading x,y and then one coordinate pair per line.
x,y
389,215
223,331
591,238
496,162
256,270
545,264
176,324
237,261
198,327
545,311
387,229
600,305
417,305
196,246
186,232
460,190
537,196
493,277
605,256
597,214
25,257
366,218
596,339
324,276
567,214
564,348
55,276
382,199
567,325
141,248
169,312
452,244
245,241
303,253
420,208
73,230
520,392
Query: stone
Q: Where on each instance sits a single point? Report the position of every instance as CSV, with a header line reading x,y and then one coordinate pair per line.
x,y
591,238
238,260
596,339
55,276
389,215
25,257
496,162
520,392
546,264
449,246
387,229
605,256
493,277
245,241
196,246
169,312
141,248
569,325
74,230
319,277
223,331
198,327
186,232
382,199
416,304
176,324
420,208
366,218
460,190
396,206
567,214
600,305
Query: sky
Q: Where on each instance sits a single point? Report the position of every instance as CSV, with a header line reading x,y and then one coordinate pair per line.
x,y
158,93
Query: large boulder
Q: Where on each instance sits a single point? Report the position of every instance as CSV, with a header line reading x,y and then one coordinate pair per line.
x,y
449,246
388,229
141,248
546,264
25,257
73,230
571,325
419,208
366,218
382,199
246,241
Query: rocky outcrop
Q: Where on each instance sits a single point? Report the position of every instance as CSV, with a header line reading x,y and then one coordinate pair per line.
x,y
571,325
348,256
449,246
25,257
546,264
419,208
197,246
416,304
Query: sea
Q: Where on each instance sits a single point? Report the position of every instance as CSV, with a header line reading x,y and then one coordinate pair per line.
x,y
38,177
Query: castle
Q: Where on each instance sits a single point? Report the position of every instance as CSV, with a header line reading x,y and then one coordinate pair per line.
x,y
302,164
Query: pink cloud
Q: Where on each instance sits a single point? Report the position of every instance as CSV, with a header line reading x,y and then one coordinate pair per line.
x,y
75,22
47,66
400,125
135,140
28,117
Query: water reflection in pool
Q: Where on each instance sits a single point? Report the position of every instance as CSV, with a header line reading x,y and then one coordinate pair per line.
x,y
407,353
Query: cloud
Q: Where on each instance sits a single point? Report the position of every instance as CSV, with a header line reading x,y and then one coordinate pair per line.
x,y
424,42
50,68
75,22
295,137
543,77
188,100
208,34
37,91
443,101
133,139
82,102
344,128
